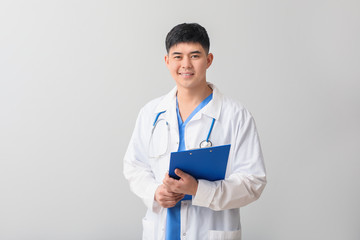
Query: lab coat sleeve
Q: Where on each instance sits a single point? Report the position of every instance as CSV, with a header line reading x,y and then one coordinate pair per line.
x,y
247,177
137,169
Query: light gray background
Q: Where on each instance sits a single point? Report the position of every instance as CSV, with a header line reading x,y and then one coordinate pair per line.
x,y
73,75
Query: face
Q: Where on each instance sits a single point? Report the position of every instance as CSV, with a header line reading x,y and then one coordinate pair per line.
x,y
187,63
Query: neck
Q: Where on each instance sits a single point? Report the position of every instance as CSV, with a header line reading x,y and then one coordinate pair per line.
x,y
193,96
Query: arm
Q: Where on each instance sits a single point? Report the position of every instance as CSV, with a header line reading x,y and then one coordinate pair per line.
x,y
137,169
247,172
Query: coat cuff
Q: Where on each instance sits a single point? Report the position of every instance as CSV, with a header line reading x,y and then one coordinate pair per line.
x,y
204,194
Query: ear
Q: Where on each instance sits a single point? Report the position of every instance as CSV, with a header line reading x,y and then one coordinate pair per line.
x,y
209,59
166,59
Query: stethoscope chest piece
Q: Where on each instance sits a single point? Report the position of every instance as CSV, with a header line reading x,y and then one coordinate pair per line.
x,y
205,144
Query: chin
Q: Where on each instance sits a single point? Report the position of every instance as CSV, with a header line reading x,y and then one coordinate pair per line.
x,y
188,84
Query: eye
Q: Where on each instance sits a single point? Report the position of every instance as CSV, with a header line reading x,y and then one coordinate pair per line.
x,y
195,56
177,57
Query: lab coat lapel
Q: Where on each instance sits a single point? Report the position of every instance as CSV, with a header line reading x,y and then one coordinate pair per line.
x,y
213,108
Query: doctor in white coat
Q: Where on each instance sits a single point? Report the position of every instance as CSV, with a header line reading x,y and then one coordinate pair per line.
x,y
193,113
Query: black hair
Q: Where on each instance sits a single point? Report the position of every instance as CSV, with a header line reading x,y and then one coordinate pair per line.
x,y
185,33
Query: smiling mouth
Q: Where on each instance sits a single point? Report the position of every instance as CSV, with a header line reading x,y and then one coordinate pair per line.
x,y
186,74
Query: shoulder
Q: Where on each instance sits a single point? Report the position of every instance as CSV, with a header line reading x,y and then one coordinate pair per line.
x,y
234,108
152,105
159,104
151,108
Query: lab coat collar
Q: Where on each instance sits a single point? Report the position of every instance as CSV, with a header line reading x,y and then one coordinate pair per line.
x,y
212,109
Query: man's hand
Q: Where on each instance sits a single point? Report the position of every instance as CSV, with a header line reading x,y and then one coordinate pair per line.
x,y
185,185
165,198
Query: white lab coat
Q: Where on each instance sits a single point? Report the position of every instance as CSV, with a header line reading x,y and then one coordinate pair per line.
x,y
213,213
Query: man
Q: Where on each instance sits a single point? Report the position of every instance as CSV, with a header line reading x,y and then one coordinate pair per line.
x,y
194,110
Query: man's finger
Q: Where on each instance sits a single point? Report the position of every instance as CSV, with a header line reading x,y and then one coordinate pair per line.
x,y
180,173
168,181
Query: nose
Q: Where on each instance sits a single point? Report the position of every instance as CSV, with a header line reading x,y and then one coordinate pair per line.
x,y
186,63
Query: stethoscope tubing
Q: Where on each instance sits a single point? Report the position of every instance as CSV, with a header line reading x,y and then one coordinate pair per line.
x,y
211,128
157,117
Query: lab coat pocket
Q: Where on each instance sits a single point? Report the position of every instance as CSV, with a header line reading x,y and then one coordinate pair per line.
x,y
148,229
224,235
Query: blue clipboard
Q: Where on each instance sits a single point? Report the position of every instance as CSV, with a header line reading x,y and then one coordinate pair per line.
x,y
204,163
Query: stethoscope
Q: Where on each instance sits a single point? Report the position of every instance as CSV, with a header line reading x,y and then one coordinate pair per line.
x,y
207,143
203,144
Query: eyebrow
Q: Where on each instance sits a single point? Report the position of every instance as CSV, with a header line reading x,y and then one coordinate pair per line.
x,y
179,53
